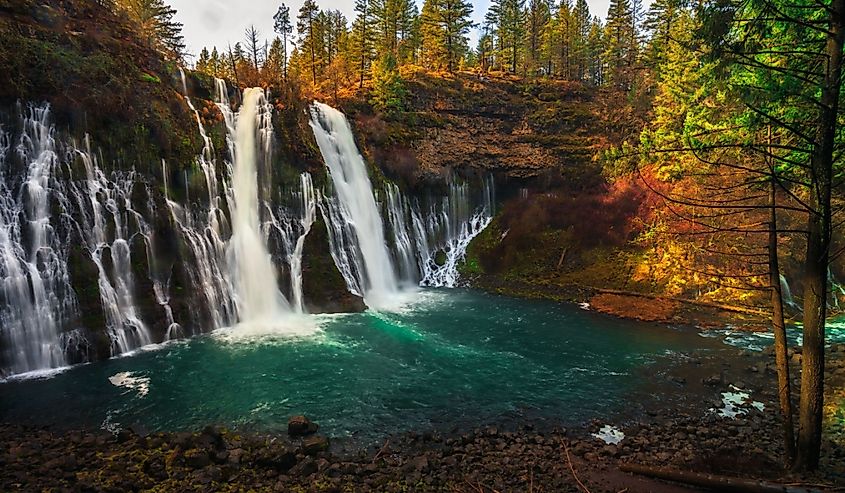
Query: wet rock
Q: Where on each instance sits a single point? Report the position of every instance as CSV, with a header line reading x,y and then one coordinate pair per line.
x,y
276,458
235,456
712,380
300,426
197,459
305,468
315,444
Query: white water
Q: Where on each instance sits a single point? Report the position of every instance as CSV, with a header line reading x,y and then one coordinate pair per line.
x,y
105,205
203,229
58,203
36,293
421,246
308,205
254,275
786,292
377,278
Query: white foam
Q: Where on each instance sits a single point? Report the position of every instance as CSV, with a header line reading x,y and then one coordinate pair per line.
x,y
130,381
610,435
736,403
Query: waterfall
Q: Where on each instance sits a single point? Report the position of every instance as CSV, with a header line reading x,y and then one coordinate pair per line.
x,y
105,206
456,225
36,292
308,205
836,289
203,230
254,275
356,205
786,292
422,245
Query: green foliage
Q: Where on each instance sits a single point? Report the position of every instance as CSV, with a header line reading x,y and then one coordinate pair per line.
x,y
154,22
508,19
444,28
388,93
150,78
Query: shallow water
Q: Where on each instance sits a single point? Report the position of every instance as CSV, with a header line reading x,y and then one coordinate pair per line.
x,y
451,358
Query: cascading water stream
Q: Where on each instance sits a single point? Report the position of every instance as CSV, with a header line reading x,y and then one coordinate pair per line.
x,y
376,277
424,247
254,275
99,200
36,291
308,204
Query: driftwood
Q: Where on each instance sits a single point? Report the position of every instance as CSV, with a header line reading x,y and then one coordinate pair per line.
x,y
712,481
727,308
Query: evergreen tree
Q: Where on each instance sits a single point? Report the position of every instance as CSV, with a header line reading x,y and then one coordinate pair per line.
x,y
443,29
273,69
581,19
388,92
284,28
203,62
253,46
619,49
659,22
154,21
363,42
537,22
509,18
409,31
595,53
307,39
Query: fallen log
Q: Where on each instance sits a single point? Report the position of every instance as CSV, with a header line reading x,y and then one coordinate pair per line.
x,y
719,306
712,481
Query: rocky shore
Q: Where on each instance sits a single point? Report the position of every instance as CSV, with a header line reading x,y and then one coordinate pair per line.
x,y
712,412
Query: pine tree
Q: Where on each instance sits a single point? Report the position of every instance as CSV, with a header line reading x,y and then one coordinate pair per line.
x,y
537,22
444,26
388,92
203,62
307,40
509,18
284,28
595,53
409,23
619,51
659,22
273,69
581,19
253,46
154,21
362,39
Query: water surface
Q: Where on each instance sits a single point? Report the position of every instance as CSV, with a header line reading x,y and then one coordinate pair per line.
x,y
452,358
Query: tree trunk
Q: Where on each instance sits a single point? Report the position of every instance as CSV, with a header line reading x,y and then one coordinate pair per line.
x,y
818,248
712,481
784,390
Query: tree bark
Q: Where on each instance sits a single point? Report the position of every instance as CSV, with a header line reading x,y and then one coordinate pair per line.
x,y
818,248
779,328
712,481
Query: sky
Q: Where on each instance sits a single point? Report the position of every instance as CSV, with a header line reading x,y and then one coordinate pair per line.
x,y
221,22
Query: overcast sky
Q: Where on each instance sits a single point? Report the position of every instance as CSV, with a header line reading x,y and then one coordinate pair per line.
x,y
220,22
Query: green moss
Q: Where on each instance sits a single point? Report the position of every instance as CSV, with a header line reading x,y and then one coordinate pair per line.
x,y
145,77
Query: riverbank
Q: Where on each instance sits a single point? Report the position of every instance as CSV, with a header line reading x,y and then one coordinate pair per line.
x,y
705,411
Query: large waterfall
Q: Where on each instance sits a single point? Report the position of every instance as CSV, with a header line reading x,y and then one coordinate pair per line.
x,y
256,287
377,280
423,245
98,259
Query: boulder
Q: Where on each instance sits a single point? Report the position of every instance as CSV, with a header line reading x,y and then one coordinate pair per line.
x,y
301,426
315,444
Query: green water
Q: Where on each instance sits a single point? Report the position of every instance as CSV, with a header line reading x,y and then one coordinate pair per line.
x,y
453,358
